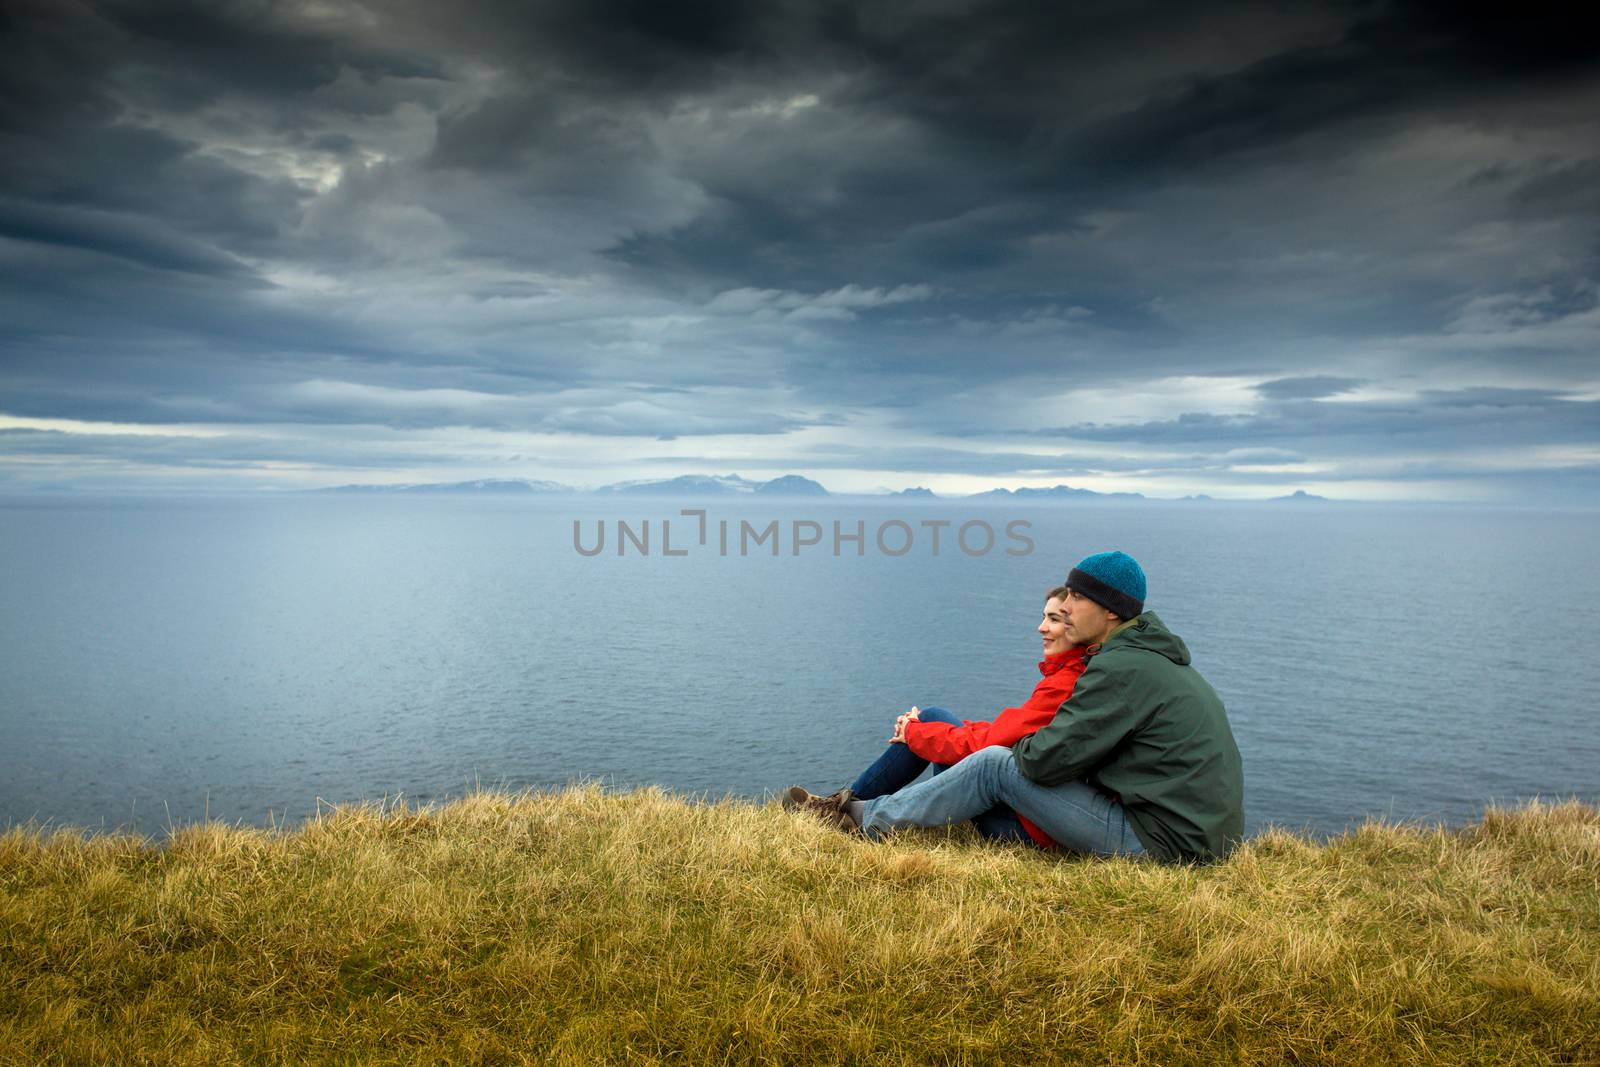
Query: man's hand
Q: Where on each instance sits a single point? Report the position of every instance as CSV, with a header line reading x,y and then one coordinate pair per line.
x,y
900,724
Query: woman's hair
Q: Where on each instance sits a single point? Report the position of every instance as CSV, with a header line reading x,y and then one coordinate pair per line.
x,y
1058,593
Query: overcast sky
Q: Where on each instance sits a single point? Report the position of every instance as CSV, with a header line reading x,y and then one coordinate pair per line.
x,y
1236,249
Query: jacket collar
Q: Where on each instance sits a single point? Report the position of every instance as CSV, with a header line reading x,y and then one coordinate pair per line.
x,y
1054,662
1095,648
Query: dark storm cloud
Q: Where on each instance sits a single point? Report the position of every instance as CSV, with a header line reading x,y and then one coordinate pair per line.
x,y
1392,62
1006,465
1311,388
622,219
119,236
993,98
190,393
1561,190
236,451
188,48
78,62
1482,417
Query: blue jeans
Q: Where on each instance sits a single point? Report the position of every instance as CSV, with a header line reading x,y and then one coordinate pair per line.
x,y
1076,815
898,767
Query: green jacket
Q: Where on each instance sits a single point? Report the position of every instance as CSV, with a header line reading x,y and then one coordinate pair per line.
x,y
1144,725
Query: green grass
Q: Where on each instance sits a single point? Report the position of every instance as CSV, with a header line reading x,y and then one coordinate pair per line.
x,y
584,926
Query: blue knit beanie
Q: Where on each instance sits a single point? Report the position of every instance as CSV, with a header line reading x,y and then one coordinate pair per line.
x,y
1114,580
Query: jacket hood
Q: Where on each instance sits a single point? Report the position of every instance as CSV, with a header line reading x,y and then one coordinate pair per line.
x,y
1149,633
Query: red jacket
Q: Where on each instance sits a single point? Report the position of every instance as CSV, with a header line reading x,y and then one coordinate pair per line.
x,y
939,742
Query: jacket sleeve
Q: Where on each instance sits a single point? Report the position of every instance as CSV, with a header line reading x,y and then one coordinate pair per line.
x,y
940,742
1097,718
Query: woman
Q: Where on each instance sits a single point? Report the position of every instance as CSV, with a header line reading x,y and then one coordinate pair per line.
x,y
932,736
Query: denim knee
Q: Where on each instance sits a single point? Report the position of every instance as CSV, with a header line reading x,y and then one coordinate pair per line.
x,y
989,760
938,715
986,769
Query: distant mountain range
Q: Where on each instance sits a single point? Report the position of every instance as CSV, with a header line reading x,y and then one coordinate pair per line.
x,y
1056,492
789,485
719,485
695,485
482,485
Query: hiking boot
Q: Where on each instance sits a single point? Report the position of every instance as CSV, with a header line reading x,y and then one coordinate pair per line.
x,y
832,809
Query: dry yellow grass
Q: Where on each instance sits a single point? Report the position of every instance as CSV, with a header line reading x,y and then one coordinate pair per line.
x,y
583,927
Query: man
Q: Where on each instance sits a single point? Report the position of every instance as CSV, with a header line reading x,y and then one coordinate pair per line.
x,y
1138,761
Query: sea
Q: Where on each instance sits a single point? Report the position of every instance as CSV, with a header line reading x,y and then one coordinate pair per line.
x,y
254,659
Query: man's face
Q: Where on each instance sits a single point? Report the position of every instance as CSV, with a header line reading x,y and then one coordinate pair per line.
x,y
1087,622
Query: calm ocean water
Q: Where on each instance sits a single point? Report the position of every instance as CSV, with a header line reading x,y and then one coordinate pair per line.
x,y
162,660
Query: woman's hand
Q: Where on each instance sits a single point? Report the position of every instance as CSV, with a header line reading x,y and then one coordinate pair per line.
x,y
900,724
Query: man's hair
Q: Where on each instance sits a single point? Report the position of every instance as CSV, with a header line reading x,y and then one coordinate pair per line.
x,y
1060,593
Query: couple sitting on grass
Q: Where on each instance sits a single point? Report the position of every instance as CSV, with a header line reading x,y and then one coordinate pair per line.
x,y
1122,750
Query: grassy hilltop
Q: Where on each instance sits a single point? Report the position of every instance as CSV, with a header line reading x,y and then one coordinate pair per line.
x,y
582,927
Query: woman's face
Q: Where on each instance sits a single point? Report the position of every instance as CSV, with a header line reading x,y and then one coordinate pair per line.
x,y
1053,627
